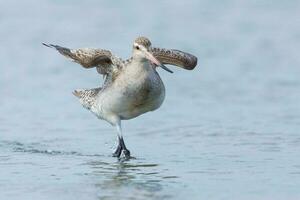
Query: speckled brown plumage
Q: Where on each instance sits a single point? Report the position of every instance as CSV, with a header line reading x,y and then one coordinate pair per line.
x,y
143,41
108,64
175,57
87,96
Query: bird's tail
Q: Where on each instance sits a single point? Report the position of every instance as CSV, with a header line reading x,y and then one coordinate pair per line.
x,y
87,96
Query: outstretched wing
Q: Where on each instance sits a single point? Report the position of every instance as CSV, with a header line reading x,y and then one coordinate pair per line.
x,y
175,57
89,58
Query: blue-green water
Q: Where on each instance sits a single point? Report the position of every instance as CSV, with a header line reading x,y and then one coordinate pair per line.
x,y
227,130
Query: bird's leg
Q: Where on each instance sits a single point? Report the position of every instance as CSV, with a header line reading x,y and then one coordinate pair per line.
x,y
118,151
121,144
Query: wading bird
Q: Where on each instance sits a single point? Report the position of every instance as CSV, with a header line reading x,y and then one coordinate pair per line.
x,y
131,87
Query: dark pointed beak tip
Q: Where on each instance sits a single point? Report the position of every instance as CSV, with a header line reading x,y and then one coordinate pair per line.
x,y
165,68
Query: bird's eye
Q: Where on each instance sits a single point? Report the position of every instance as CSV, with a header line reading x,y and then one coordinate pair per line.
x,y
137,47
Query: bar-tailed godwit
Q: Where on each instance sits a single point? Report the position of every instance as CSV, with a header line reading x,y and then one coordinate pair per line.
x,y
131,87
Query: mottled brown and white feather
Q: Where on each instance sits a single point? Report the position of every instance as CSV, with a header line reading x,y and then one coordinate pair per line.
x,y
175,57
87,97
103,60
143,41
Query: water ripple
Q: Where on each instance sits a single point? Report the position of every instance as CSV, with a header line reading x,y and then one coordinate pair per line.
x,y
16,146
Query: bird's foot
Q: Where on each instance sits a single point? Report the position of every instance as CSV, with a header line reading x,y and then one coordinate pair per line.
x,y
122,152
126,153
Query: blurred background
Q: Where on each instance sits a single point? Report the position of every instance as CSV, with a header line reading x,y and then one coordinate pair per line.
x,y
227,130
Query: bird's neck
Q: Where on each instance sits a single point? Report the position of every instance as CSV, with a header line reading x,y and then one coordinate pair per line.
x,y
141,64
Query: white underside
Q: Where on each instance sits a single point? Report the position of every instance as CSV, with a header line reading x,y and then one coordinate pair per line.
x,y
138,89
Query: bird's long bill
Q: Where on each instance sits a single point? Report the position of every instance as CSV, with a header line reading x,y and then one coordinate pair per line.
x,y
157,62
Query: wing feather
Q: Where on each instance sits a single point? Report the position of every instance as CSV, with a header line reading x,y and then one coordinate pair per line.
x,y
175,57
88,57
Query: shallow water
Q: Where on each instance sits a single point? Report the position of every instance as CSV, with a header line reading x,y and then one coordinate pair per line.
x,y
227,130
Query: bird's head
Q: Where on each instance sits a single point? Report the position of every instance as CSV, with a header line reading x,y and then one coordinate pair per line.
x,y
141,52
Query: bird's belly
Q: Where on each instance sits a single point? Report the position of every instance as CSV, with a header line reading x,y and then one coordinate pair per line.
x,y
143,99
138,106
134,98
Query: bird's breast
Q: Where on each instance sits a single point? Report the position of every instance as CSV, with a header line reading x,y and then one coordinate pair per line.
x,y
137,93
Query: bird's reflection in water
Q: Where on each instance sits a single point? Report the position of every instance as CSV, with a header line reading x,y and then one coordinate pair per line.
x,y
128,180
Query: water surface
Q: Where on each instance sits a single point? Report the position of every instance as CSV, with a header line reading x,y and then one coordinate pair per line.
x,y
227,130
